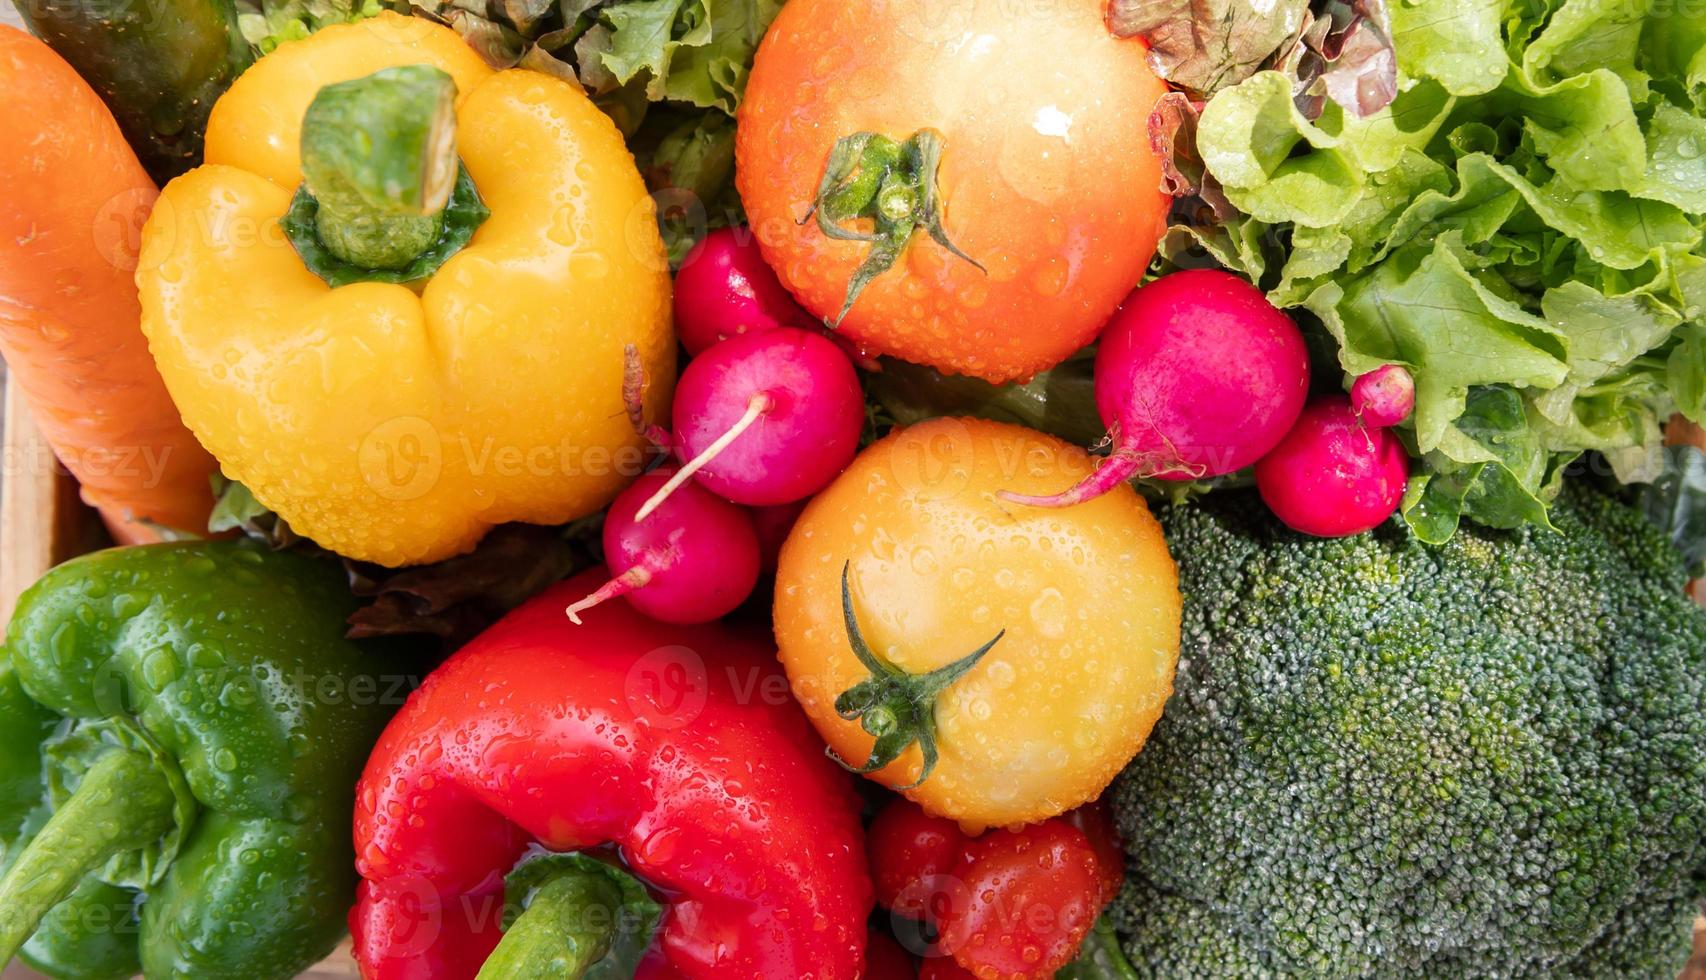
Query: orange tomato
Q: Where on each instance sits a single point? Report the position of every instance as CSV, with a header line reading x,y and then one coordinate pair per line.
x,y
1047,177
935,566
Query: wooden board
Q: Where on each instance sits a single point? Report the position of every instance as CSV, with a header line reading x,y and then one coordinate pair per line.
x,y
43,523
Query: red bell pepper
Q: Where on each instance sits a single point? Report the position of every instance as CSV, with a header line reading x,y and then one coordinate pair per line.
x,y
674,752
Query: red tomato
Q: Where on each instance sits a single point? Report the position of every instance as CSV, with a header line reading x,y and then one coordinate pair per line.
x,y
907,849
1027,900
1096,822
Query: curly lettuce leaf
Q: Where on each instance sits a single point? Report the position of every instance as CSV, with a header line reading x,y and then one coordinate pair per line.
x,y
266,24
1674,54
1491,467
688,161
1521,228
640,38
714,74
1423,309
1685,371
1358,68
1456,44
1676,159
698,52
627,53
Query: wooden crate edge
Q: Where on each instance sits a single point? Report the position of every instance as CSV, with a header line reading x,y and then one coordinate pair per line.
x,y
42,521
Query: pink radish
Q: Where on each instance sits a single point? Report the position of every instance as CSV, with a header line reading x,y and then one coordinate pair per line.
x,y
1384,396
1197,375
1331,475
694,561
725,289
766,418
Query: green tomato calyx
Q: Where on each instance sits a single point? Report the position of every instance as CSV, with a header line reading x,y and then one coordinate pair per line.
x,y
892,706
891,183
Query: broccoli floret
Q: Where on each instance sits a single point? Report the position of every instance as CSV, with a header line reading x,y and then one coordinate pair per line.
x,y
1384,759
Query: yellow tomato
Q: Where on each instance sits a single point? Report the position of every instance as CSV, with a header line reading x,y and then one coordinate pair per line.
x,y
1085,599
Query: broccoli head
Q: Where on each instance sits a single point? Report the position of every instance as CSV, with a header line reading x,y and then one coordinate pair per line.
x,y
1385,759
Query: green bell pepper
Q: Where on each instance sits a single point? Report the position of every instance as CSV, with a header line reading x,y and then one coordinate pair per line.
x,y
181,730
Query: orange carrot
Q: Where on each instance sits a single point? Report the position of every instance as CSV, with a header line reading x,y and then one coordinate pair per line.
x,y
71,217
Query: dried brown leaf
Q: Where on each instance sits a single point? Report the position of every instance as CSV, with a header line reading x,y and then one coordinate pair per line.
x,y
1337,49
457,598
1173,137
1204,46
1361,70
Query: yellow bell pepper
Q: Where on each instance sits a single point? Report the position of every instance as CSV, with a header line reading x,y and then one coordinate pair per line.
x,y
397,421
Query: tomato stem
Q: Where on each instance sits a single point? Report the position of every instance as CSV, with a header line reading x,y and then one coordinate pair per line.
x,y
892,706
893,184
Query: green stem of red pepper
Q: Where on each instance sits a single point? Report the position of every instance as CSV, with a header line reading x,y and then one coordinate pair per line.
x,y
560,934
123,802
574,916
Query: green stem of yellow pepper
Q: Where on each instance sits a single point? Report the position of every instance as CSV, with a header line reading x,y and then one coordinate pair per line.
x,y
379,157
122,803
